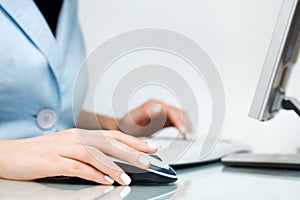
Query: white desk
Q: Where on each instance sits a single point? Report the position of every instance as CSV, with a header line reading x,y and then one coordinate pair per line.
x,y
212,181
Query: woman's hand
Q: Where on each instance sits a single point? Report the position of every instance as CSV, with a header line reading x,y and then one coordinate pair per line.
x,y
153,116
74,152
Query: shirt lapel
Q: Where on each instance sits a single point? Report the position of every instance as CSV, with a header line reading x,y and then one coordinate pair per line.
x,y
28,17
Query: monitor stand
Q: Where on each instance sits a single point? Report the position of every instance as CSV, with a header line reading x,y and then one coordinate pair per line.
x,y
280,161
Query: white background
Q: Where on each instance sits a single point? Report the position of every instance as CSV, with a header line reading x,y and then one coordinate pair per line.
x,y
234,33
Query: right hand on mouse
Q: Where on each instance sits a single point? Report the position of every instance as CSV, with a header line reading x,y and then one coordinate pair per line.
x,y
74,152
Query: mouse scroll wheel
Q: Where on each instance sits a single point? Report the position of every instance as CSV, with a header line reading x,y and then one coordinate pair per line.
x,y
157,157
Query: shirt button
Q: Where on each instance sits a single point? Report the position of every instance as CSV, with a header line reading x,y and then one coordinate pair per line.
x,y
46,119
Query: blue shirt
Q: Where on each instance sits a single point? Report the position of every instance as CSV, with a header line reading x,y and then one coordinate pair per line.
x,y
38,71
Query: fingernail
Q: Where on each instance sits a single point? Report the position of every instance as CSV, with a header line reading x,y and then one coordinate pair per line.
x,y
108,179
182,129
152,146
156,108
125,192
189,136
108,190
125,178
144,160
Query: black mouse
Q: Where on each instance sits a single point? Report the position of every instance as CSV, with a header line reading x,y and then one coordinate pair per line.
x,y
157,173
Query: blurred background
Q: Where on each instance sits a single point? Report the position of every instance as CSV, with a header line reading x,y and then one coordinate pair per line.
x,y
234,33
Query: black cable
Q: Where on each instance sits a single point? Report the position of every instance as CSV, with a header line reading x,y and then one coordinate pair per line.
x,y
291,104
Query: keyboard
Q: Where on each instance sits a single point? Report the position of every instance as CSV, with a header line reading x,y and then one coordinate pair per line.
x,y
182,153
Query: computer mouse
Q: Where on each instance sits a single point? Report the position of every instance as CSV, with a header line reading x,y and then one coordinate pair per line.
x,y
157,173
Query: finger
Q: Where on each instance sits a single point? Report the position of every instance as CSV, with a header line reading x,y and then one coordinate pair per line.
x,y
92,156
159,117
118,150
180,118
139,113
175,117
132,141
187,122
116,144
144,111
154,120
123,152
74,168
101,138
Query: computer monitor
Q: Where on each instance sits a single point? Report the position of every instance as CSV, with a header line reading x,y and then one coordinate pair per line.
x,y
270,93
282,55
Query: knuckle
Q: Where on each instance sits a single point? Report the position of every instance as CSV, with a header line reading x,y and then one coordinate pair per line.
x,y
71,132
151,102
76,166
62,137
87,153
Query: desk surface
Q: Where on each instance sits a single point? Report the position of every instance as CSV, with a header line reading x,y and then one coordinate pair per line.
x,y
213,181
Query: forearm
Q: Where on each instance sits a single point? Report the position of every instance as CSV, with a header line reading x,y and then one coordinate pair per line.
x,y
5,146
6,149
88,120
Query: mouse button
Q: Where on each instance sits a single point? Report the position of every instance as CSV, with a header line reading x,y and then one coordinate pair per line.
x,y
158,163
155,156
169,171
130,168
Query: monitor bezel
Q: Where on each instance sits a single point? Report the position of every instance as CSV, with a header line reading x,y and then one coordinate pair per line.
x,y
275,73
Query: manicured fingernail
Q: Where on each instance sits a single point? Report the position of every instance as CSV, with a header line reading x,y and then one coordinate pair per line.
x,y
125,192
125,178
152,146
182,129
108,190
108,179
144,160
156,108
